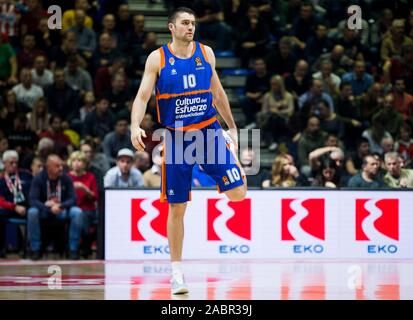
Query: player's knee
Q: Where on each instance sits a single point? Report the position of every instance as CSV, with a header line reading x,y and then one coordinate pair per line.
x,y
177,209
237,194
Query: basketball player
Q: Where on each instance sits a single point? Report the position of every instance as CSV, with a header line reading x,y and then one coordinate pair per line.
x,y
183,72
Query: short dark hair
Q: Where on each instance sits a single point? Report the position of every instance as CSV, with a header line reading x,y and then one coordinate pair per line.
x,y
361,141
344,83
174,14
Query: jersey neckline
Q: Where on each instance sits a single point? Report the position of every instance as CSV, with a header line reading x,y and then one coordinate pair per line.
x,y
173,53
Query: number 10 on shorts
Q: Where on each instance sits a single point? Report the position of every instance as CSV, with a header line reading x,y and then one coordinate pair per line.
x,y
233,175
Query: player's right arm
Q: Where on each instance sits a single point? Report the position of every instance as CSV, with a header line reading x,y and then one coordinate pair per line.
x,y
142,97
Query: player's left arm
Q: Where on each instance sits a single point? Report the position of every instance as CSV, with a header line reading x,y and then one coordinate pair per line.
x,y
220,97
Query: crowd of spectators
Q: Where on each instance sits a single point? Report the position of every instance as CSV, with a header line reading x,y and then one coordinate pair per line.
x,y
334,105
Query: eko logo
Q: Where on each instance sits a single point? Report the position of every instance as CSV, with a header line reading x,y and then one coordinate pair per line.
x,y
302,220
149,220
377,219
229,221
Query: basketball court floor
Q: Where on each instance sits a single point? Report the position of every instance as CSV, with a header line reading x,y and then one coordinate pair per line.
x,y
207,280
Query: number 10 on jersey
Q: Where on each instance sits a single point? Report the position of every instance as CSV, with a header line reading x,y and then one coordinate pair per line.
x,y
189,81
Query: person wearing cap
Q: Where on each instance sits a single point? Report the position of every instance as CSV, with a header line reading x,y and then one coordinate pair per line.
x,y
14,192
123,175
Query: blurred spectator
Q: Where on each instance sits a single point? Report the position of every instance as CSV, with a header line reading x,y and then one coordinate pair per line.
x,y
396,177
298,82
99,122
142,52
62,144
39,117
403,102
85,36
355,159
8,64
9,24
318,44
254,36
21,138
331,81
14,192
404,145
142,161
277,108
364,31
368,177
86,190
399,67
26,91
88,105
61,98
46,38
248,160
282,60
44,148
124,20
211,24
58,55
256,86
375,134
152,176
369,103
41,76
124,175
341,62
359,79
52,197
328,175
36,166
105,74
69,16
109,27
10,110
388,116
392,45
136,35
119,94
351,42
76,77
304,26
30,19
97,163
315,95
284,173
387,145
29,52
4,146
312,138
104,53
345,104
117,140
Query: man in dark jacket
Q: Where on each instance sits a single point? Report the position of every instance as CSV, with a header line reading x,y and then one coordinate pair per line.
x,y
52,196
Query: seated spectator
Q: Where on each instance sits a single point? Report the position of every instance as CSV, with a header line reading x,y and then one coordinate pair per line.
x,y
403,102
277,108
254,37
31,17
142,161
249,163
69,16
298,82
58,55
85,36
76,77
26,91
152,176
375,134
396,177
62,144
26,56
359,79
46,38
118,95
355,159
21,138
368,177
124,20
388,116
87,194
341,62
105,74
282,61
387,144
36,166
99,122
370,102
88,106
392,45
14,193
97,163
318,44
312,138
116,140
39,117
123,175
351,42
328,176
312,97
104,53
256,86
10,110
399,67
41,76
52,197
45,147
4,146
109,26
284,173
141,54
211,24
61,98
304,26
331,82
137,34
404,145
8,64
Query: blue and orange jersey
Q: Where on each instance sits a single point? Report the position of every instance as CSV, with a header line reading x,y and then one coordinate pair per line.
x,y
183,89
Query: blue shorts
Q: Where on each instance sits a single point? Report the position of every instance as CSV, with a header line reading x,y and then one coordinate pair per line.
x,y
207,148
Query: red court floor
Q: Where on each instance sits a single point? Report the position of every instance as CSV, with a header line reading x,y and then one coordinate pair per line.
x,y
207,280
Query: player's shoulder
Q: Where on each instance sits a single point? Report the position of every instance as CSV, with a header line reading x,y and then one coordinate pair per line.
x,y
154,60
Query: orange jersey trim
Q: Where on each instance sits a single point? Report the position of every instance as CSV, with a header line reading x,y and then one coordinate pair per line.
x,y
204,52
162,58
174,95
195,126
192,53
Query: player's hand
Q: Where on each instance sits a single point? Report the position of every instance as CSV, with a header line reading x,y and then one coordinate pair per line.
x,y
136,138
233,133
